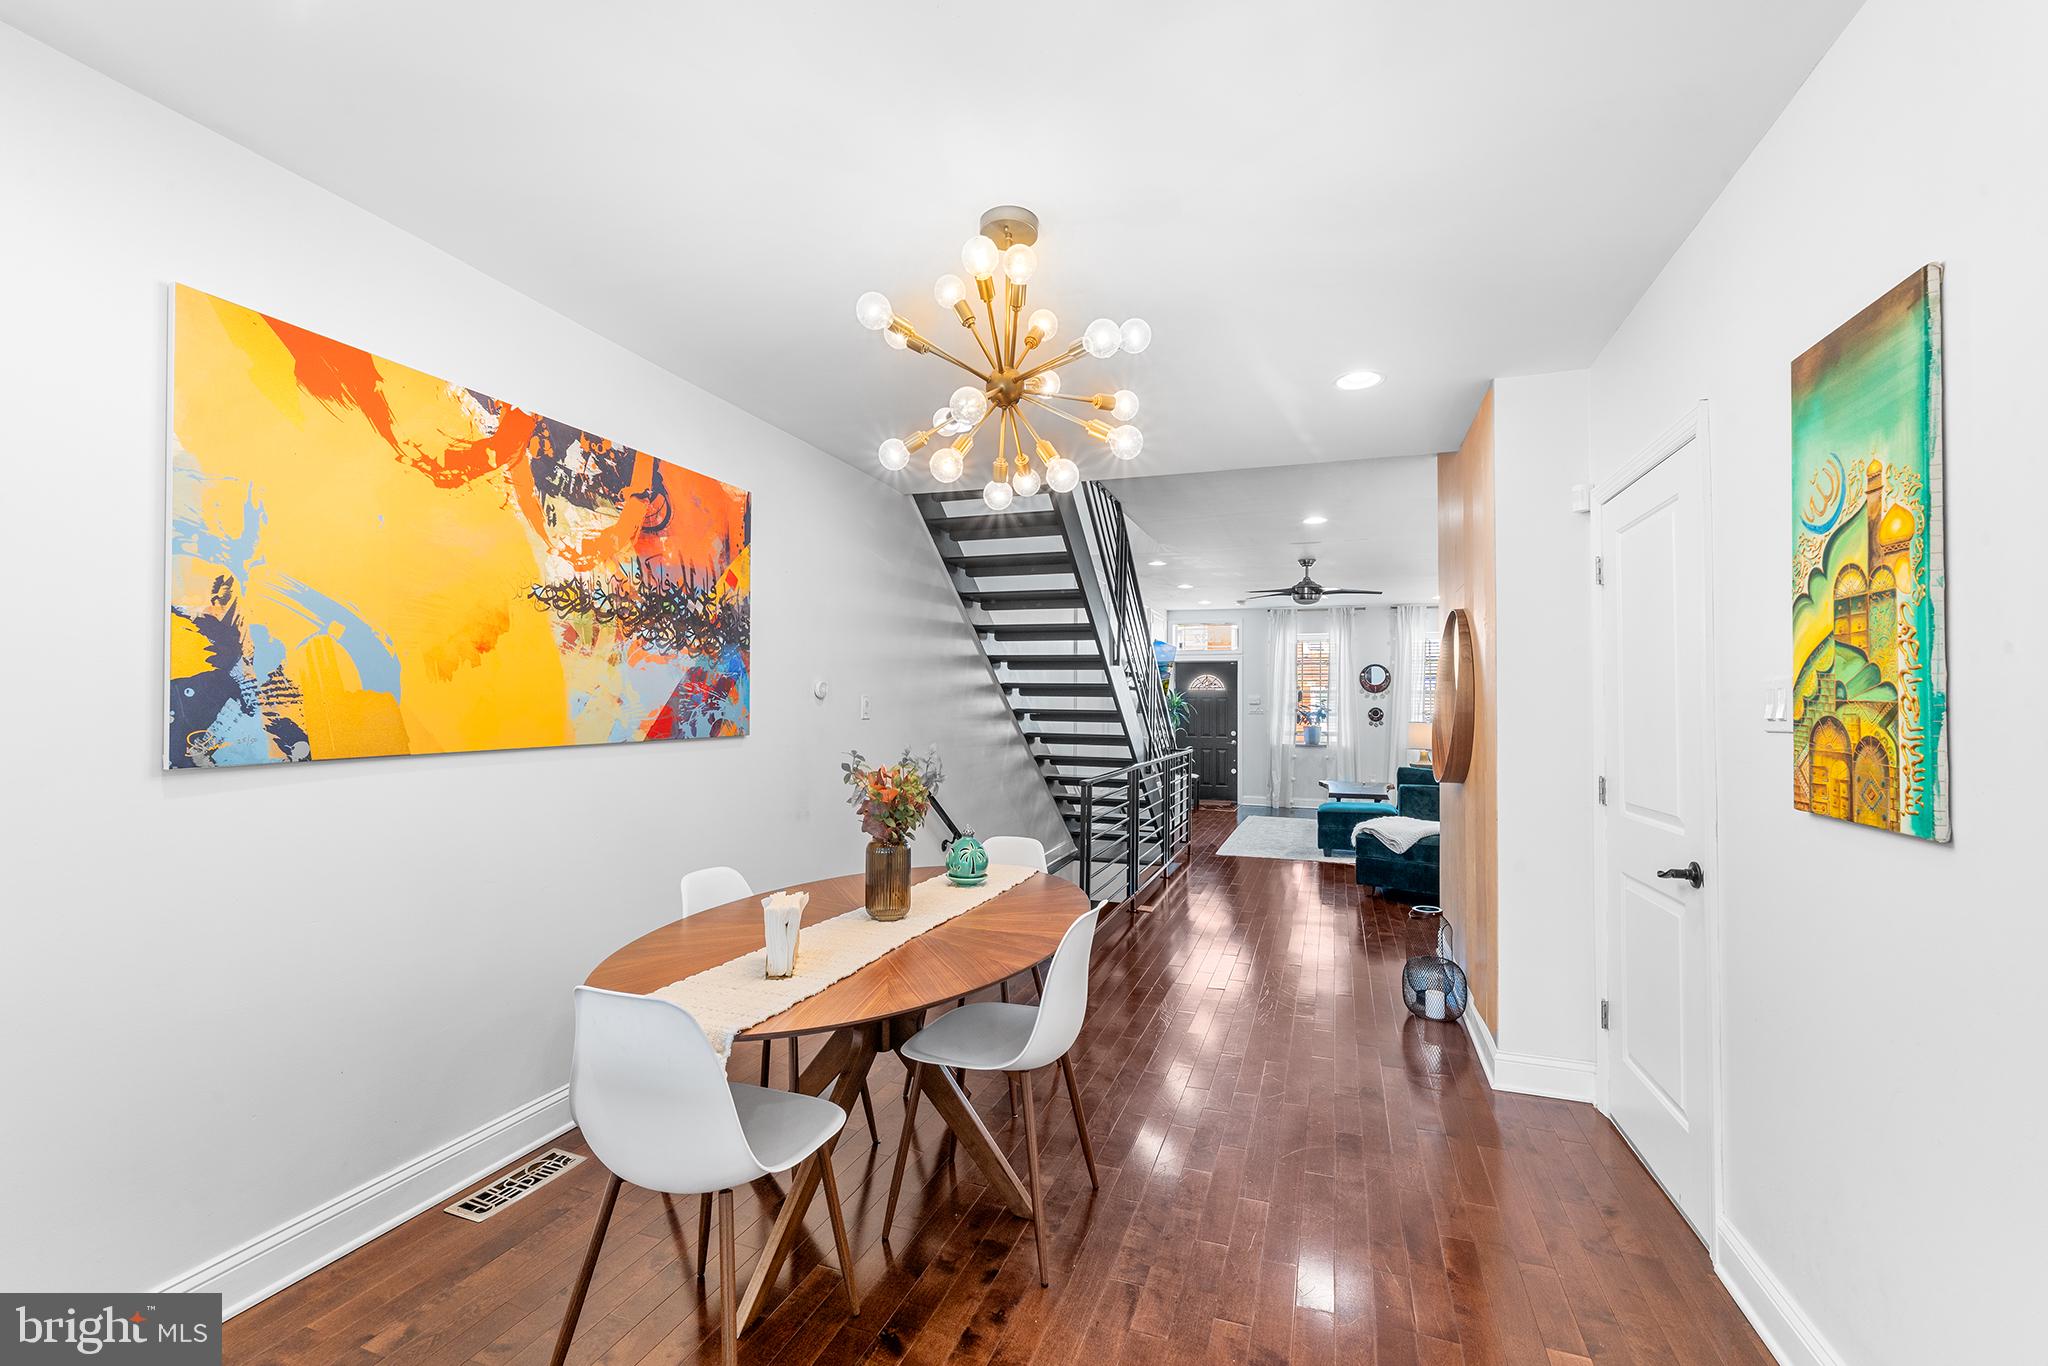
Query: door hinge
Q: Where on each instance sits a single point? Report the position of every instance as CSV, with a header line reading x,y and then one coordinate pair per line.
x,y
1599,570
1602,789
1603,1014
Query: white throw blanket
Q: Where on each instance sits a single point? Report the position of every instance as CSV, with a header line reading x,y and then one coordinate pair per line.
x,y
738,994
1398,833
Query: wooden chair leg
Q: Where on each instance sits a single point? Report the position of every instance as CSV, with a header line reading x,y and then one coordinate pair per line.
x,y
1080,1119
703,1235
903,1148
839,1227
1031,1160
575,1310
867,1106
727,1278
767,1056
795,1067
1003,990
1037,980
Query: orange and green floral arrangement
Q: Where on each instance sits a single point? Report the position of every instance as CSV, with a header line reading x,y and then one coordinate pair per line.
x,y
892,799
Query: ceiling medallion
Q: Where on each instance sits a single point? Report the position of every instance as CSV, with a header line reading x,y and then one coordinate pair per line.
x,y
1011,383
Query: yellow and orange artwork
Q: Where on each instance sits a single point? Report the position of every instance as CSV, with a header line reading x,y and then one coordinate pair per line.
x,y
366,560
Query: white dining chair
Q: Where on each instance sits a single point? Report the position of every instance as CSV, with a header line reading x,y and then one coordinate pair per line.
x,y
996,1036
708,887
656,1109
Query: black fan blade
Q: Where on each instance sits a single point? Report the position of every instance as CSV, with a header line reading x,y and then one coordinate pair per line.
x,y
1376,592
1273,593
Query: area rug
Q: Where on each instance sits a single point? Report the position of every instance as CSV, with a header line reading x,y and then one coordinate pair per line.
x,y
1282,837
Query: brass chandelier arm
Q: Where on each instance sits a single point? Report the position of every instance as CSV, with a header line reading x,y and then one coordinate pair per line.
x,y
993,364
1040,401
995,330
946,355
1066,357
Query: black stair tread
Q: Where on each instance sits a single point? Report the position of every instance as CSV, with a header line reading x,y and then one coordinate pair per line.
x,y
1003,566
1023,599
1037,630
1091,741
1008,526
1048,689
1084,760
1069,713
1051,663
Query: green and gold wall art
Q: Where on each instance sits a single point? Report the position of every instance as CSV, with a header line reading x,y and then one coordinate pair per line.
x,y
1870,684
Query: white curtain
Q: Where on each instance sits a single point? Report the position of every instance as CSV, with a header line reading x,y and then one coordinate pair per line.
x,y
1346,716
1413,624
1282,630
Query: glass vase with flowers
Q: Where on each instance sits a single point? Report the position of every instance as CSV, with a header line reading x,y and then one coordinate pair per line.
x,y
892,800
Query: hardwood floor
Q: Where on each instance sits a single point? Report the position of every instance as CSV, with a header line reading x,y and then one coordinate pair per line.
x,y
1293,1169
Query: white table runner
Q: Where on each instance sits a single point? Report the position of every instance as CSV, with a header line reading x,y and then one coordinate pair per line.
x,y
738,994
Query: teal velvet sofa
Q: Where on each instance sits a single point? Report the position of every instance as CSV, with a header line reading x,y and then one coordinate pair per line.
x,y
1336,820
1415,873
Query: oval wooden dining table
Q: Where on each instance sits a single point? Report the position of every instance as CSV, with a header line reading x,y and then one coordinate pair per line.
x,y
867,1012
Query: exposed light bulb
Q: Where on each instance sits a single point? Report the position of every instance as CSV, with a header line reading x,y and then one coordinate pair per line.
x,y
1136,335
897,341
969,404
874,311
1043,323
1126,442
997,495
1102,339
980,256
1062,474
1026,481
946,464
1047,382
950,290
893,454
1020,263
1126,406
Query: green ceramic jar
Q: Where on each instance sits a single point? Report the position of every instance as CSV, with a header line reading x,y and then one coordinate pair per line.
x,y
966,862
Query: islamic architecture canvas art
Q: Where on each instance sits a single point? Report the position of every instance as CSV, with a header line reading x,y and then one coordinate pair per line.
x,y
1870,686
366,560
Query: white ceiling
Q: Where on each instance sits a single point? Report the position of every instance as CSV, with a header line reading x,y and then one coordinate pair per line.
x,y
1443,192
1230,532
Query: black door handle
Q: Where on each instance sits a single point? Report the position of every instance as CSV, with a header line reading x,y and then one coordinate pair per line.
x,y
1690,873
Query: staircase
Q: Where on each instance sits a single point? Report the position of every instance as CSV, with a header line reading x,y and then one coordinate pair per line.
x,y
1051,590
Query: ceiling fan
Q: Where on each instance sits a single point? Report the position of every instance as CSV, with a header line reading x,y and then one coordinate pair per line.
x,y
1308,592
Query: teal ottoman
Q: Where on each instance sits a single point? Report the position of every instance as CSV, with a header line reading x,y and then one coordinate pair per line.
x,y
1336,820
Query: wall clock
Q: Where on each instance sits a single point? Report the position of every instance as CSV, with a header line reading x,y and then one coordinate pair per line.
x,y
1457,700
1374,678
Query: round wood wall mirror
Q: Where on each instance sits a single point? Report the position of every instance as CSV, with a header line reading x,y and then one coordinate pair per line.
x,y
1457,700
1374,678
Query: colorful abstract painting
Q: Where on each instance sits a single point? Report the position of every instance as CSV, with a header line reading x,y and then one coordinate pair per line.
x,y
367,560
1870,677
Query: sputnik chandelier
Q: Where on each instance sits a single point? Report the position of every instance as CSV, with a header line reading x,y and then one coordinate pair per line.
x,y
1011,384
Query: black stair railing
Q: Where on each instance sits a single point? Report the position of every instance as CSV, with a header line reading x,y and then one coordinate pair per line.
x,y
1130,635
1135,825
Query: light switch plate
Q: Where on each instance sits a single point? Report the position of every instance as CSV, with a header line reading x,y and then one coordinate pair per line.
x,y
1777,705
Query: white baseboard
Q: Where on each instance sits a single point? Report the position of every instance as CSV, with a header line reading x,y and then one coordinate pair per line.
x,y
1529,1074
267,1264
1786,1330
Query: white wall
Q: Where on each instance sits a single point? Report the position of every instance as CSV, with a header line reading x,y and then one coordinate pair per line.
x,y
231,996
1544,646
1884,1104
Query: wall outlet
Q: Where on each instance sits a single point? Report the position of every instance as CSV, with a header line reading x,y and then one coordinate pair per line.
x,y
865,710
1778,704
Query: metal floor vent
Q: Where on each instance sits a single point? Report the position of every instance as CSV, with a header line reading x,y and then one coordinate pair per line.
x,y
516,1184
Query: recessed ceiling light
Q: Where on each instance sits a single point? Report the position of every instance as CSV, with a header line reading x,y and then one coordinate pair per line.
x,y
1155,563
1359,379
1317,520
1203,603
1183,585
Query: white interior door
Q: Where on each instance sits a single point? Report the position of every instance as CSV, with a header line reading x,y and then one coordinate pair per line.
x,y
1658,820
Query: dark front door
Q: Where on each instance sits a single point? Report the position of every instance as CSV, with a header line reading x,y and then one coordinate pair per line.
x,y
1211,689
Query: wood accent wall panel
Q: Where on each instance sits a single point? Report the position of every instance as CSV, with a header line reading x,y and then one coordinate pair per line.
x,y
1466,577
